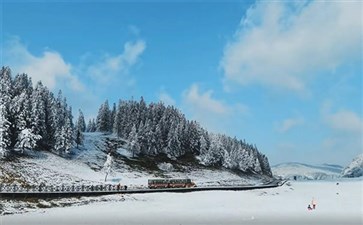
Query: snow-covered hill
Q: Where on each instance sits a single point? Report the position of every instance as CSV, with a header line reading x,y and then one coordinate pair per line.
x,y
303,171
355,168
85,166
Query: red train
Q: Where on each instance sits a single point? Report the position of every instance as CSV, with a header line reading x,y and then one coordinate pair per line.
x,y
170,183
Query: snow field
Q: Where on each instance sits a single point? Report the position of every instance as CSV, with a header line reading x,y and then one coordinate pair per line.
x,y
282,205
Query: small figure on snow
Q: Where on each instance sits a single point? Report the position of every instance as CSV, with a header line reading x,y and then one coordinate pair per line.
x,y
313,203
309,207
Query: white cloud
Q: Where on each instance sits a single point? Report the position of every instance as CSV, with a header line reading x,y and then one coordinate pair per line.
x,y
112,67
56,73
50,67
212,113
203,102
290,123
345,132
345,121
341,120
285,44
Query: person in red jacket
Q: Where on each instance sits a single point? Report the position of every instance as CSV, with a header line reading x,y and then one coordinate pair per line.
x,y
313,203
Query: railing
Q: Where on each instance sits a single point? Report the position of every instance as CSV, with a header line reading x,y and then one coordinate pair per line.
x,y
60,189
16,191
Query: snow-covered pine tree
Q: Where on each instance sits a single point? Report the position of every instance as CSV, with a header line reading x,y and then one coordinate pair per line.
x,y
63,126
68,129
21,103
20,109
81,124
65,140
88,126
204,143
6,87
174,144
112,118
4,129
38,117
91,126
79,129
117,124
133,145
79,138
142,138
104,118
6,95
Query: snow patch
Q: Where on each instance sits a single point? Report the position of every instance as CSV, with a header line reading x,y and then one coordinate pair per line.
x,y
124,152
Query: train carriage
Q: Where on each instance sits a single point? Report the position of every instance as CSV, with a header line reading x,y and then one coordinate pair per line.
x,y
170,183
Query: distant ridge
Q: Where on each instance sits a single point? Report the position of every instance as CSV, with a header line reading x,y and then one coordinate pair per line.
x,y
303,171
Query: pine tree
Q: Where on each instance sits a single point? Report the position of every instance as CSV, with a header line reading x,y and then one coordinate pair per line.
x,y
173,141
6,87
91,126
204,144
112,118
38,111
20,107
104,118
79,138
134,146
4,129
81,124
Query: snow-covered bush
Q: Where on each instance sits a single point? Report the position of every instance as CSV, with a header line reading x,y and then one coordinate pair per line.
x,y
167,167
27,140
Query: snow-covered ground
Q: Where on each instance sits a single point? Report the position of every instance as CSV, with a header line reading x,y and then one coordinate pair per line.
x,y
336,204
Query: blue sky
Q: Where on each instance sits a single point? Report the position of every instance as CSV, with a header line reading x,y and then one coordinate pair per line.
x,y
284,75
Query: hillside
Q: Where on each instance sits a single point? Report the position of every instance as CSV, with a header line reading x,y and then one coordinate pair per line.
x,y
85,166
307,172
355,168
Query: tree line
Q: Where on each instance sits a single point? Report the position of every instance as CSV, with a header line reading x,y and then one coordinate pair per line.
x,y
33,118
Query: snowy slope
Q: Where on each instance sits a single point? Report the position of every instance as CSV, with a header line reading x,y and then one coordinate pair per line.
x,y
307,172
85,166
355,168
